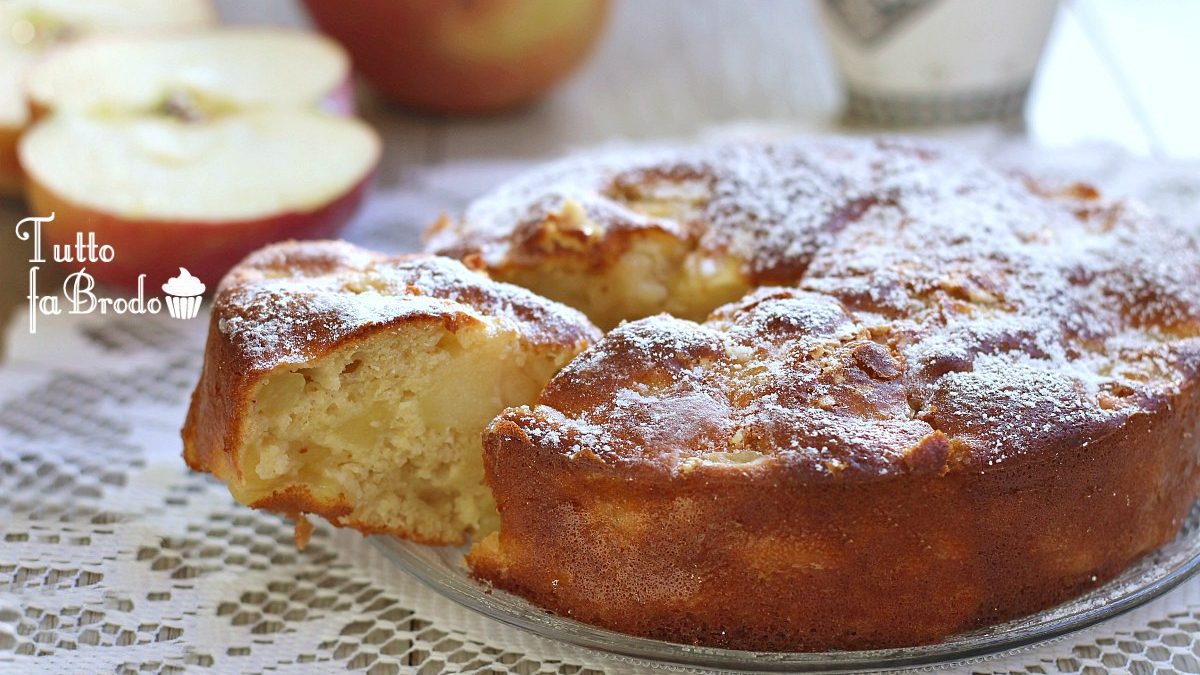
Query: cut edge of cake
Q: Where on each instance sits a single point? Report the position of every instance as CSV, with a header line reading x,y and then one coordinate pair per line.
x,y
354,386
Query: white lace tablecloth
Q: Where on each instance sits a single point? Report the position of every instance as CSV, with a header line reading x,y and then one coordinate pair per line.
x,y
115,558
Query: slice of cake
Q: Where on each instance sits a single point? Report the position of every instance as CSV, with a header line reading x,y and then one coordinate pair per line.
x,y
354,386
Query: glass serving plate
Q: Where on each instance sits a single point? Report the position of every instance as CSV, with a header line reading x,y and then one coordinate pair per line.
x,y
443,570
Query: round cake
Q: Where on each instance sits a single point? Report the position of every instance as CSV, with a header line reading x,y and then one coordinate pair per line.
x,y
903,393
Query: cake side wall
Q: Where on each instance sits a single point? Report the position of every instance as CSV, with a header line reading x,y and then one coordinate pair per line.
x,y
211,431
751,557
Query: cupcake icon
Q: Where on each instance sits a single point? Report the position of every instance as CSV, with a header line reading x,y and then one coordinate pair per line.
x,y
183,295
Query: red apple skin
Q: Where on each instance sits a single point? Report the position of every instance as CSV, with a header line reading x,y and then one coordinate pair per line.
x,y
10,166
400,47
158,248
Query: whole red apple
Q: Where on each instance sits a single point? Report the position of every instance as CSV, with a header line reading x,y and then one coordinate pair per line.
x,y
464,56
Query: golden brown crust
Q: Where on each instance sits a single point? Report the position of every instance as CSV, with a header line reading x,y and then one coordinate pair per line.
x,y
766,558
771,206
293,302
779,213
979,396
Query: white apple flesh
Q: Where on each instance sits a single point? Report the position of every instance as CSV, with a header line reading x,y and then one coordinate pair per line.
x,y
194,150
28,28
167,193
207,73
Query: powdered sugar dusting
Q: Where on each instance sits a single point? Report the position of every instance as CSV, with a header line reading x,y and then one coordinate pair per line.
x,y
289,302
932,312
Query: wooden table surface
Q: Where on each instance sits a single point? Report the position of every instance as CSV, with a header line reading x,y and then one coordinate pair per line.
x,y
1115,71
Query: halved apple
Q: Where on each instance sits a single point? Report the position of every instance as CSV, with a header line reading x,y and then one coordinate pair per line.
x,y
193,150
28,28
169,192
196,75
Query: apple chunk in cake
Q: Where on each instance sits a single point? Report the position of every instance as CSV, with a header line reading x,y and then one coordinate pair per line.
x,y
355,386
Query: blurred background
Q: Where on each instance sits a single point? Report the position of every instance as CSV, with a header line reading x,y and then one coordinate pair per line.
x,y
1115,72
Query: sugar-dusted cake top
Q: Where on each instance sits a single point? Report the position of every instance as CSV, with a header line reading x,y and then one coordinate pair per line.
x,y
917,309
289,302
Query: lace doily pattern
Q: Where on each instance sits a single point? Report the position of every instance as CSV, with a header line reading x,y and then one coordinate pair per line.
x,y
114,558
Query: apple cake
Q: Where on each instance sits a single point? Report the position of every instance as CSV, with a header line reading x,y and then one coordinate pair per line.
x,y
935,395
355,386
857,393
